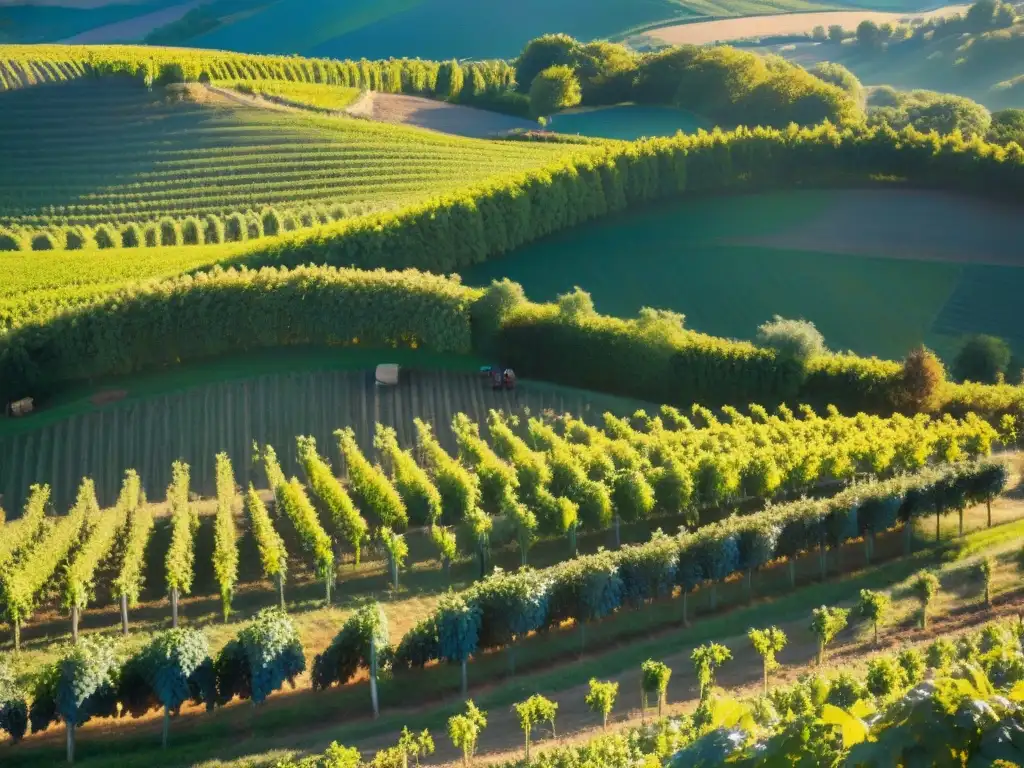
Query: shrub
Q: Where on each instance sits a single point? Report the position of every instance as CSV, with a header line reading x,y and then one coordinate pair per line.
x,y
151,235
253,226
11,240
131,236
271,222
170,232
213,229
542,53
192,231
289,223
105,237
983,359
307,217
42,241
235,229
76,238
921,379
792,339
554,89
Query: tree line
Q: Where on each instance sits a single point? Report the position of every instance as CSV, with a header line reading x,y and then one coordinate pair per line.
x,y
826,710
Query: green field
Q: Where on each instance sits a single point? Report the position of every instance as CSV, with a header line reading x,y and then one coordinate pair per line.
x,y
436,29
90,152
701,257
627,121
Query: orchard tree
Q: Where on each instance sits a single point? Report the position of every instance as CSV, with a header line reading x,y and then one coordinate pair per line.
x,y
873,606
414,746
601,699
458,631
706,659
13,705
554,89
359,643
75,688
654,680
534,710
886,677
924,587
767,643
826,623
447,547
266,653
174,667
464,730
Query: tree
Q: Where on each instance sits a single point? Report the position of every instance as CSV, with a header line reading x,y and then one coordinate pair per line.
x,y
767,643
273,555
542,53
398,551
654,677
873,606
632,496
601,699
174,667
818,34
838,75
868,34
464,730
706,659
925,586
554,89
449,80
921,380
1007,125
826,623
359,643
983,359
458,631
266,653
836,33
985,567
74,689
13,705
796,340
535,709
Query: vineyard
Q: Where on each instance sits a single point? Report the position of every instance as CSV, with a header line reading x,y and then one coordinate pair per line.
x,y
107,163
534,479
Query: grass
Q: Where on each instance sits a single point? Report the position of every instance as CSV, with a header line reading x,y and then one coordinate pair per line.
x,y
317,96
617,646
88,152
723,263
433,29
627,121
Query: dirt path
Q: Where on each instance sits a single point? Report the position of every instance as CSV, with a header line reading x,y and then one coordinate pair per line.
x,y
436,115
721,30
134,29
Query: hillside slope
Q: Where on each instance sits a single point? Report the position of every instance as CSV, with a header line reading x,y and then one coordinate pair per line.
x,y
110,151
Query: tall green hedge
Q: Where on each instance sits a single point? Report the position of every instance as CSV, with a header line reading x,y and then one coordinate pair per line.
x,y
192,317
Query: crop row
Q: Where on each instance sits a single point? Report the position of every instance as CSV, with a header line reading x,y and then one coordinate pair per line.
x,y
554,479
503,608
191,230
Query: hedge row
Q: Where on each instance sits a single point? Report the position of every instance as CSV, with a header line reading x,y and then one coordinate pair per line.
x,y
191,230
192,317
152,325
587,588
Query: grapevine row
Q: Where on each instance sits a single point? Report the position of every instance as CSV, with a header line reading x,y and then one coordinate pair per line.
x,y
273,555
128,583
344,516
184,521
225,537
21,583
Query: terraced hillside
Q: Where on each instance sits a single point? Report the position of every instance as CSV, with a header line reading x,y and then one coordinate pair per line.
x,y
110,151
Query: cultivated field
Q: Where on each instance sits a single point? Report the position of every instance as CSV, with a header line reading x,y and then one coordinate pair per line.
x,y
90,152
729,264
724,30
373,29
436,115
